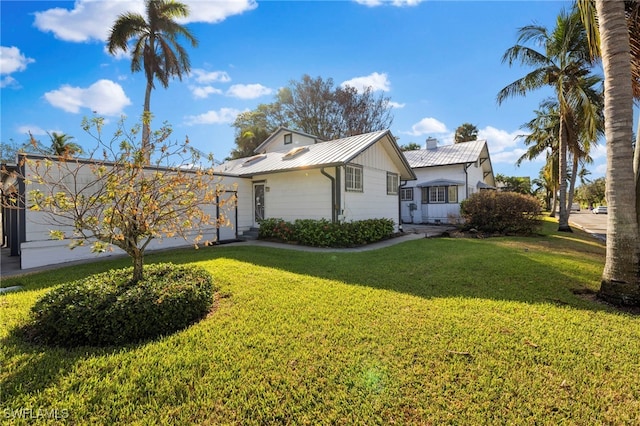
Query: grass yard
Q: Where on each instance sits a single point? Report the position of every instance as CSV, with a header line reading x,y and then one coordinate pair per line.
x,y
431,331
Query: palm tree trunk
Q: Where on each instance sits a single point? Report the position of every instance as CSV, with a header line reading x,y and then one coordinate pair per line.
x,y
620,276
563,220
146,123
572,183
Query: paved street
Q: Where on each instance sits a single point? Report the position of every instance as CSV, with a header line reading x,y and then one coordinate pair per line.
x,y
595,224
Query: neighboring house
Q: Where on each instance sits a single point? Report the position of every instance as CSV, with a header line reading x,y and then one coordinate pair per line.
x,y
292,176
446,175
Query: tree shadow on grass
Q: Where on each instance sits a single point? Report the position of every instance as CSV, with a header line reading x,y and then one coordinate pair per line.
x,y
514,269
37,367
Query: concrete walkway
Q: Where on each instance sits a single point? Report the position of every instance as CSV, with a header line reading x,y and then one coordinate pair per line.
x,y
10,266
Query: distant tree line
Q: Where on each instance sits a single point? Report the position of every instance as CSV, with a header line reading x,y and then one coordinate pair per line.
x,y
316,107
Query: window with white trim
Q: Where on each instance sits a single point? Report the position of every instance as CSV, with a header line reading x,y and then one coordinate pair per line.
x,y
437,194
288,138
440,194
392,183
453,195
353,178
406,194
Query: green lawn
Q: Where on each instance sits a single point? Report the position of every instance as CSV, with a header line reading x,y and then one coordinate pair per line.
x,y
432,331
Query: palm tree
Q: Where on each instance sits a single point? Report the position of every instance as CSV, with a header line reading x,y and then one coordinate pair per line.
x,y
155,48
62,146
620,276
563,65
466,132
542,137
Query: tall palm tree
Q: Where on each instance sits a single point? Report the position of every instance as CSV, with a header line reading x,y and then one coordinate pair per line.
x,y
620,276
563,64
155,47
62,146
542,138
614,33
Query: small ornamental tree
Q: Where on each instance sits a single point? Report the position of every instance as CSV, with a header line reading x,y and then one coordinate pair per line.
x,y
116,198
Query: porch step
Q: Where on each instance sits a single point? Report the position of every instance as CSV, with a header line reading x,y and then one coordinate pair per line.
x,y
251,234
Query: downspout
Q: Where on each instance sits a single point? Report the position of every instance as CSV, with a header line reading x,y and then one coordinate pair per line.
x,y
333,195
466,180
402,185
338,194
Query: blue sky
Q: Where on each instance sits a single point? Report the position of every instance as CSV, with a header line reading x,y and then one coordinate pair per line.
x,y
438,61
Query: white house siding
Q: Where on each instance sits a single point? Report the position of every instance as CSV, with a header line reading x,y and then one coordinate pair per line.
x,y
304,194
39,249
373,202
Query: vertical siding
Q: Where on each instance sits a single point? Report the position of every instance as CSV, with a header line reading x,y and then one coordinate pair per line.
x,y
373,202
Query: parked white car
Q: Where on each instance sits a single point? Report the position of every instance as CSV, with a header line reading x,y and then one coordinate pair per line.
x,y
599,210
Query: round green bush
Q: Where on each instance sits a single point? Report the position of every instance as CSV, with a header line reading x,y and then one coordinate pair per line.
x,y
108,309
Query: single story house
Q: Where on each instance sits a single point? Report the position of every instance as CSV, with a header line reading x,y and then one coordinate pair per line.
x,y
446,176
292,175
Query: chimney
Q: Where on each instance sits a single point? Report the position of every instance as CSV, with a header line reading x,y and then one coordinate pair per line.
x,y
432,143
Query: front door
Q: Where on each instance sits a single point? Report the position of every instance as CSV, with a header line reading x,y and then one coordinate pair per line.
x,y
258,208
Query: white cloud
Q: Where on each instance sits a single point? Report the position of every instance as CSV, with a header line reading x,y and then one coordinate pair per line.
x,y
8,81
248,91
203,76
601,169
104,97
374,80
224,115
396,105
598,151
500,140
35,130
213,12
509,157
203,92
118,54
397,3
12,60
92,20
427,126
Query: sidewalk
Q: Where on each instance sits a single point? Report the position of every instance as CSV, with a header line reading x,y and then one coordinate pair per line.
x,y
10,266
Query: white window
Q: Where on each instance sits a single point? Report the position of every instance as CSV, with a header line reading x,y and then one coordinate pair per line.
x,y
353,178
437,194
288,138
440,194
392,183
406,194
453,194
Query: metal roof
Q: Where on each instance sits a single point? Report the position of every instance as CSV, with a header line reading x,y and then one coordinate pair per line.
x,y
459,153
323,154
441,182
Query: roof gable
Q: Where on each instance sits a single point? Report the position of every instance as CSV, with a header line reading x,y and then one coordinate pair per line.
x,y
276,141
459,153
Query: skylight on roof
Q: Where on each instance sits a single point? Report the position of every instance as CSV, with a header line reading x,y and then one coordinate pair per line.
x,y
253,160
295,151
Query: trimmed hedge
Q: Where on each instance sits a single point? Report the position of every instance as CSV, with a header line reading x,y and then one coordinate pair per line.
x,y
323,233
107,309
502,212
